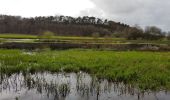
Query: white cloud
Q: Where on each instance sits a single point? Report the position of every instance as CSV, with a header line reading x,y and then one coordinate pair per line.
x,y
142,12
29,8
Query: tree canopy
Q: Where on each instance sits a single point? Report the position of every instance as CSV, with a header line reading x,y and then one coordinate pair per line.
x,y
80,26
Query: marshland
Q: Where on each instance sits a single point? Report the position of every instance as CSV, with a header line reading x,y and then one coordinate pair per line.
x,y
146,70
71,61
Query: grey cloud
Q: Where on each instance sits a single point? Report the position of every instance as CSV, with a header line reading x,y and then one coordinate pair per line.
x,y
142,12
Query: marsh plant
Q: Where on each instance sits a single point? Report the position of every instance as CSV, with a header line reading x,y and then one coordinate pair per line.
x,y
145,70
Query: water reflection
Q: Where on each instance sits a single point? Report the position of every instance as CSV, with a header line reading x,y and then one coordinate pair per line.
x,y
70,86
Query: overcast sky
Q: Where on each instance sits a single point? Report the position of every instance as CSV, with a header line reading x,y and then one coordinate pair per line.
x,y
141,12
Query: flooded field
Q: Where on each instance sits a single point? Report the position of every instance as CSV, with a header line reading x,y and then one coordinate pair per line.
x,y
69,86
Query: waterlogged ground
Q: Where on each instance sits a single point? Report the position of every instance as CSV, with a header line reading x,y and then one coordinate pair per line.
x,y
145,70
69,86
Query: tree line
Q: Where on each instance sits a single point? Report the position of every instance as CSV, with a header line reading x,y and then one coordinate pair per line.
x,y
79,26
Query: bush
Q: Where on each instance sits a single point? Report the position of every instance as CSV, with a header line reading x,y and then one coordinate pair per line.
x,y
168,37
46,36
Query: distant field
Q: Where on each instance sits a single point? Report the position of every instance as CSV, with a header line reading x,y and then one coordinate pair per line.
x,y
23,36
65,39
17,36
74,39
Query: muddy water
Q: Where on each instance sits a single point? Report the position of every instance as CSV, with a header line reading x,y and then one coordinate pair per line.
x,y
70,86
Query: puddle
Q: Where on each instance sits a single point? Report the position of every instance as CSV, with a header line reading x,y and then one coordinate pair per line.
x,y
29,53
69,86
18,40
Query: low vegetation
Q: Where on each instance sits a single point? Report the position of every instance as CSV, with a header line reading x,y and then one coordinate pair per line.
x,y
17,36
50,37
145,70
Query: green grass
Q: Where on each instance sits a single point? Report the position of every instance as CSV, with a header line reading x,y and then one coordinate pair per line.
x,y
76,39
25,36
17,36
145,70
66,39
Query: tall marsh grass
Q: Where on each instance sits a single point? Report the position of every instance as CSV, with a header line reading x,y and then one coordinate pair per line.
x,y
146,70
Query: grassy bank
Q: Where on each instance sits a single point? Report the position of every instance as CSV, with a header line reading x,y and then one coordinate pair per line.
x,y
17,36
75,39
146,70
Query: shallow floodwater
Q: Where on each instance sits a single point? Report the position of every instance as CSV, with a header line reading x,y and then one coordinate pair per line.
x,y
69,86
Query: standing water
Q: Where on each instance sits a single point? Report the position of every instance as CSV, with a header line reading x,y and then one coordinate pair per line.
x,y
69,86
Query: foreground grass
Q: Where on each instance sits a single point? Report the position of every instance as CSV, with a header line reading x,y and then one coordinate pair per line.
x,y
146,70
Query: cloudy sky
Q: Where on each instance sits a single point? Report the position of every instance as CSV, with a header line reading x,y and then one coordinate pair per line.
x,y
141,12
